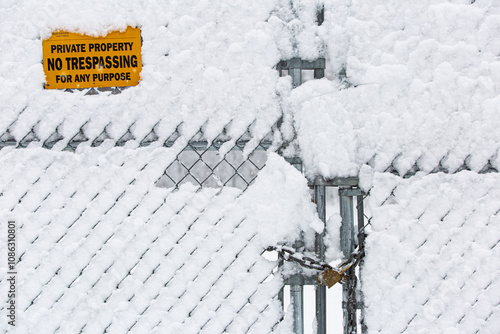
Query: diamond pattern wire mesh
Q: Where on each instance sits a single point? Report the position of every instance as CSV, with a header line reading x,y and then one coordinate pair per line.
x,y
432,255
99,90
134,231
85,134
206,167
64,210
146,240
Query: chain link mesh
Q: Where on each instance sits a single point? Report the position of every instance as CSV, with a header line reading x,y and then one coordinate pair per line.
x,y
146,256
432,250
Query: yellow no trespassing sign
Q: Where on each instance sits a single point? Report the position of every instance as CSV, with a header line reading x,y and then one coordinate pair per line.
x,y
73,60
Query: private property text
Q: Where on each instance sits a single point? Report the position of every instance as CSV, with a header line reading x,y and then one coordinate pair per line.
x,y
78,61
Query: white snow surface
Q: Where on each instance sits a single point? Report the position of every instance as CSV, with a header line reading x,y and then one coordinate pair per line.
x,y
425,79
205,64
433,256
422,77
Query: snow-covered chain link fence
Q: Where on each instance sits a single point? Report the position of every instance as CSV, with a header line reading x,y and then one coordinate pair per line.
x,y
411,91
106,244
72,141
432,256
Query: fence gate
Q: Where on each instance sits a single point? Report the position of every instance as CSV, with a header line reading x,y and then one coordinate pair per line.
x,y
162,227
166,237
352,237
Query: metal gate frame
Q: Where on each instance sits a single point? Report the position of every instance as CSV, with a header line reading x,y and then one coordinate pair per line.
x,y
351,238
348,189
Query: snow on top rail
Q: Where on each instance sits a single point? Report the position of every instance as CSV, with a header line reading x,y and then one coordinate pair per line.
x,y
403,91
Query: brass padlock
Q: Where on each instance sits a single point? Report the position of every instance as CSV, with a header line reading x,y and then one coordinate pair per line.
x,y
329,277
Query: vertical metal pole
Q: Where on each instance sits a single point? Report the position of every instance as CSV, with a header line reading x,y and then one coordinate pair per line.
x,y
297,294
320,199
296,74
297,300
361,243
347,226
347,241
281,294
296,290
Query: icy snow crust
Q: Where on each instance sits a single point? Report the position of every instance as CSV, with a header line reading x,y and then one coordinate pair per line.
x,y
432,258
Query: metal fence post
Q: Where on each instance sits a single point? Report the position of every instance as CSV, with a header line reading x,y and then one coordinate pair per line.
x,y
320,200
297,300
347,245
361,243
296,290
295,67
296,74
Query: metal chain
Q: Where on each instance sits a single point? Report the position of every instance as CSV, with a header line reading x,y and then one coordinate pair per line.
x,y
351,303
289,254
